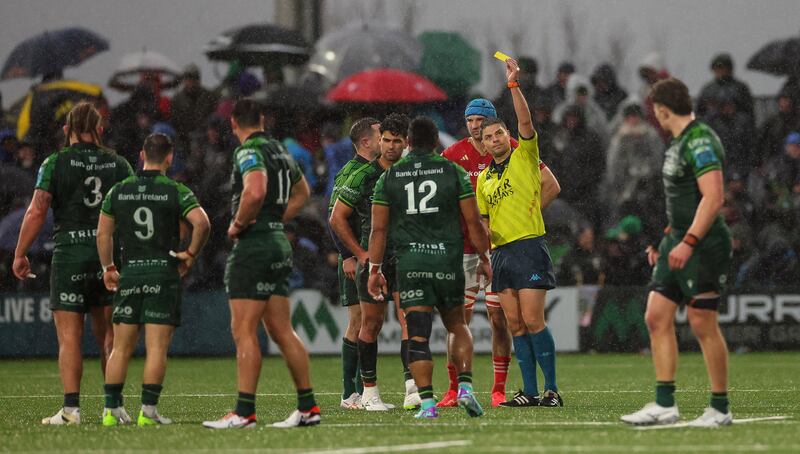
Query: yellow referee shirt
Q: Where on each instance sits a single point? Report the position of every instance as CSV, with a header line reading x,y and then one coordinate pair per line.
x,y
510,195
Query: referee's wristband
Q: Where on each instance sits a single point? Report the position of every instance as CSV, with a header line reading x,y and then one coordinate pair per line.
x,y
513,84
375,268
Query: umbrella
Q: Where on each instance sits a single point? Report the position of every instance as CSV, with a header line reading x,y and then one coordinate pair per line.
x,y
259,45
386,86
351,50
51,52
780,58
147,64
449,61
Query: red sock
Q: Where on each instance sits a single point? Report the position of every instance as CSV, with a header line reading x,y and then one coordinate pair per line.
x,y
451,371
500,372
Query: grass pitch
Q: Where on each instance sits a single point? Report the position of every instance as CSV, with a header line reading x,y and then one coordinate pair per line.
x,y
597,389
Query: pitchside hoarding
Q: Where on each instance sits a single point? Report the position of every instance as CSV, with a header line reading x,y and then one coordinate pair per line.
x,y
26,327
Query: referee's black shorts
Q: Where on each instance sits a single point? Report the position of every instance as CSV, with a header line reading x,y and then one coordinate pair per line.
x,y
523,264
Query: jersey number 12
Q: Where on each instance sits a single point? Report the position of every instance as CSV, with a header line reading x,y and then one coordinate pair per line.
x,y
428,188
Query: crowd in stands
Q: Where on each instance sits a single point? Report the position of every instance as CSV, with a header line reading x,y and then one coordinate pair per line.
x,y
601,141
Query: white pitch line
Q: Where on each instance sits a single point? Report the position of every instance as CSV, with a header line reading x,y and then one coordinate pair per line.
x,y
479,424
397,448
648,449
735,421
578,391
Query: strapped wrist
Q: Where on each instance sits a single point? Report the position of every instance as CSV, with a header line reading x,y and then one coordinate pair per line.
x,y
691,240
109,268
375,268
513,84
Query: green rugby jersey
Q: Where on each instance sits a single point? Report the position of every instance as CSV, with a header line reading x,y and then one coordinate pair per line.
x,y
259,152
339,180
357,193
147,209
78,177
694,153
423,191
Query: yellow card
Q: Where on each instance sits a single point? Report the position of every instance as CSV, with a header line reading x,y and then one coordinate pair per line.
x,y
501,56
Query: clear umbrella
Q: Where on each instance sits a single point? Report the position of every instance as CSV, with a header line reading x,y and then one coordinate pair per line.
x,y
355,49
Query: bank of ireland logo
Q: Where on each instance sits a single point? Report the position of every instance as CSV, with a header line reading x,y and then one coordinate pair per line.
x,y
322,320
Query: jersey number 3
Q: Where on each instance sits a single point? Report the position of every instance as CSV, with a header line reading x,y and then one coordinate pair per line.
x,y
428,188
94,197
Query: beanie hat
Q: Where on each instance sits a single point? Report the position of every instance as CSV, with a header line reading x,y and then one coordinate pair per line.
x,y
482,107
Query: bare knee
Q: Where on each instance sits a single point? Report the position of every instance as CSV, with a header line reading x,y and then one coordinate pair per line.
x,y
657,323
703,323
516,326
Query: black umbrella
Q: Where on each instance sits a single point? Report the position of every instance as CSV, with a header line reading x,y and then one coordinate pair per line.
x,y
259,45
781,58
51,52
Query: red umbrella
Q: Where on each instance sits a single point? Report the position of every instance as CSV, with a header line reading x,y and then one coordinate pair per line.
x,y
386,86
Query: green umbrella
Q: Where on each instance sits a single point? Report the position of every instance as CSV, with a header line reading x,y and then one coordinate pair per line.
x,y
450,62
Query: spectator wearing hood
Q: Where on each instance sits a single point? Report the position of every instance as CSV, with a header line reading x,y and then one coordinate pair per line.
x,y
784,171
607,92
557,92
635,157
191,106
625,264
777,127
8,146
736,132
580,93
580,158
504,104
724,85
651,70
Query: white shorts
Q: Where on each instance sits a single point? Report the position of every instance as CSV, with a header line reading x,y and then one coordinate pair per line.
x,y
471,284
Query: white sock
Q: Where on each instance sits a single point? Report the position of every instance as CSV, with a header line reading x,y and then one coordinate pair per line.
x,y
411,386
71,409
149,410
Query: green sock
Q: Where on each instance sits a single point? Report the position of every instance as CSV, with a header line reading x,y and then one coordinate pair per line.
x,y
150,394
665,393
426,394
245,404
465,380
305,399
349,367
719,402
113,394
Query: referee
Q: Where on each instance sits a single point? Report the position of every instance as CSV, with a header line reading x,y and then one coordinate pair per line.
x,y
509,198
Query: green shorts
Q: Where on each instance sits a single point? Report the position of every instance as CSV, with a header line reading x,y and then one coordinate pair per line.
x,y
77,287
259,268
439,285
706,271
152,297
389,269
348,293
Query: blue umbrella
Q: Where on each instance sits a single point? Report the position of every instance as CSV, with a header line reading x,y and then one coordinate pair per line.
x,y
51,52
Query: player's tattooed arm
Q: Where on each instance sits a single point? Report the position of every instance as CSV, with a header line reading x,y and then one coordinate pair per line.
x,y
32,224
297,198
338,221
253,195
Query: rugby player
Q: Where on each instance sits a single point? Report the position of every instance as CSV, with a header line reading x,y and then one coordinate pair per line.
x,y
356,197
365,135
418,204
470,154
145,212
74,181
268,190
509,198
692,261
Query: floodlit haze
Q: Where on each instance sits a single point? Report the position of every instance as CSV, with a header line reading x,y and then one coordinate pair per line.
x,y
687,32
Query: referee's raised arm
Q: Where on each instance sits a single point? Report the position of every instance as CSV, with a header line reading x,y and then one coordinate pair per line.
x,y
524,120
